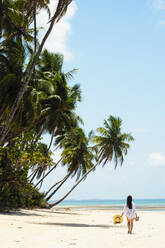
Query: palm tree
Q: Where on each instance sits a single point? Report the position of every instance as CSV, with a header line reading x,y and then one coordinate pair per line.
x,y
60,11
112,144
14,25
42,165
50,62
54,167
59,106
76,154
64,115
31,8
60,183
41,90
12,57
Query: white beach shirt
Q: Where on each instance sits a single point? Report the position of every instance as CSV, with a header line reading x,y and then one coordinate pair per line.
x,y
130,213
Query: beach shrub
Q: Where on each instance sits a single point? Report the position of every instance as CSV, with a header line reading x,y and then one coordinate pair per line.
x,y
15,189
16,192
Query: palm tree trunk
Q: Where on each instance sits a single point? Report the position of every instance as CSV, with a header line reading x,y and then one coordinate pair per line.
x,y
2,115
48,172
76,184
41,182
54,186
33,176
56,148
35,30
49,197
39,134
54,133
35,35
58,14
50,144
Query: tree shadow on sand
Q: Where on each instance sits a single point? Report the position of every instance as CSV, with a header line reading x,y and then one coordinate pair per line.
x,y
67,212
19,213
78,225
36,212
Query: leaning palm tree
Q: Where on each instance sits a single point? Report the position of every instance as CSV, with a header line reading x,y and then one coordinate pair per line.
x,y
42,165
64,116
112,144
59,110
61,9
76,155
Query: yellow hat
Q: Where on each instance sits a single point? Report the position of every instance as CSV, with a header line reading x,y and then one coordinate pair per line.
x,y
117,219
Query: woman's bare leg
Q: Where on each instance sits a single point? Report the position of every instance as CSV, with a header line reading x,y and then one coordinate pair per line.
x,y
128,224
131,226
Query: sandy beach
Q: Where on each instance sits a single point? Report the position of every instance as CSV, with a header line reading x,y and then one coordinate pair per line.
x,y
69,227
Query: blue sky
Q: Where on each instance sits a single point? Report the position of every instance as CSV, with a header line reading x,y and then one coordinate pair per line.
x,y
118,47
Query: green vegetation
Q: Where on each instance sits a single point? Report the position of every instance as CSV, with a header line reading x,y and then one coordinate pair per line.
x,y
36,98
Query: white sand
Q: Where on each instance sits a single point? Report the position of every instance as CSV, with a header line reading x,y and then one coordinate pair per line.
x,y
63,228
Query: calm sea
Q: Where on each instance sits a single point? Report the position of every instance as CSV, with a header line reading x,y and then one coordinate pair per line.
x,y
140,203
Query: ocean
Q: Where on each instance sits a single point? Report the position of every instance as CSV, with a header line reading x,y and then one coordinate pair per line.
x,y
115,204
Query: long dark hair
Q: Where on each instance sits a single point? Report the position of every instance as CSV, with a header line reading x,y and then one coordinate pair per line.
x,y
129,202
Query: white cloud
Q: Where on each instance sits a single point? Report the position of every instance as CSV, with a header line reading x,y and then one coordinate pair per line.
x,y
156,159
57,41
158,4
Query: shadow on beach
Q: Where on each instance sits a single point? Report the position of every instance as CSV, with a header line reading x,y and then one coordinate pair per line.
x,y
70,213
19,213
78,225
36,212
56,212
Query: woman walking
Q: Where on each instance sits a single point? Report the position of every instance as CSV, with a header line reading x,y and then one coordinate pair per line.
x,y
130,212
